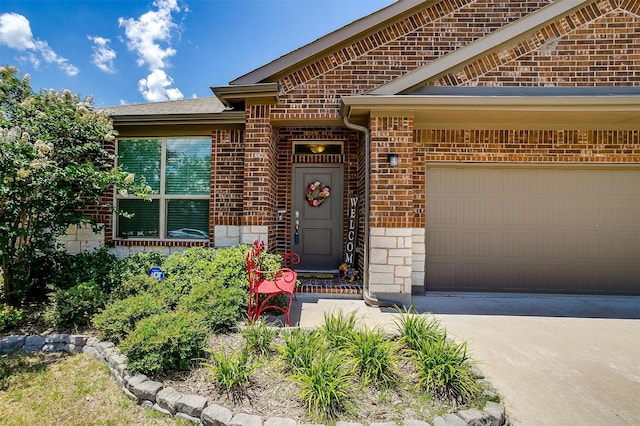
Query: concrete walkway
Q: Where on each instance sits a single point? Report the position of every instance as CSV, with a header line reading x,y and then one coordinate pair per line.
x,y
556,360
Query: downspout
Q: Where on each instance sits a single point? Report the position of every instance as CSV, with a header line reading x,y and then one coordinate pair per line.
x,y
368,298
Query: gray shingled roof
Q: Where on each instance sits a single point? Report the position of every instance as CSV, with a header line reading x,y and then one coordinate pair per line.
x,y
208,105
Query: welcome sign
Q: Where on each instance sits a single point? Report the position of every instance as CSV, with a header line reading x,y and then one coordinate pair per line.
x,y
352,214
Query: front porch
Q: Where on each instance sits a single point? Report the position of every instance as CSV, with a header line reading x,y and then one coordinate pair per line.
x,y
328,284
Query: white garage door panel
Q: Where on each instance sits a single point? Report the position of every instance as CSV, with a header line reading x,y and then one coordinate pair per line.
x,y
540,229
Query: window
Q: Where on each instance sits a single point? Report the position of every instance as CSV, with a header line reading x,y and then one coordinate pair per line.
x,y
178,171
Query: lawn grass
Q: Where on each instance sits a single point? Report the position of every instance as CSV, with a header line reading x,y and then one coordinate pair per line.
x,y
60,389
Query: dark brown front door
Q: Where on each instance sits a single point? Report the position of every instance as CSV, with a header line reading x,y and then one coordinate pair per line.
x,y
319,228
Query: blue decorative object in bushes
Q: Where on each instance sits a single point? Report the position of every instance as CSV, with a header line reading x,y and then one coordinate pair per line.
x,y
157,273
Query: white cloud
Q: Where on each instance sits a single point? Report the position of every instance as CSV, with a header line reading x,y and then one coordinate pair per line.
x,y
103,56
15,33
150,38
157,87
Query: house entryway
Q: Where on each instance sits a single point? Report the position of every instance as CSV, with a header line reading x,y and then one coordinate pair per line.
x,y
317,219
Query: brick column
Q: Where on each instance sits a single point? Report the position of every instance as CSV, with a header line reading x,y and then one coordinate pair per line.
x,y
260,177
391,208
227,187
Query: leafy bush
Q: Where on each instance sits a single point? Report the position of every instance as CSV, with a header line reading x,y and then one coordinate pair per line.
x,y
325,385
374,357
270,261
299,349
258,336
416,329
213,282
74,301
9,316
98,266
220,305
168,341
231,373
135,285
193,262
184,270
119,319
339,328
140,263
445,370
75,306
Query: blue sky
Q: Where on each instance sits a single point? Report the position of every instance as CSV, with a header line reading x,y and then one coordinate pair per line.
x,y
131,51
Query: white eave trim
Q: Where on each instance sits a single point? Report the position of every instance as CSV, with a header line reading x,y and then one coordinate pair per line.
x,y
480,47
408,102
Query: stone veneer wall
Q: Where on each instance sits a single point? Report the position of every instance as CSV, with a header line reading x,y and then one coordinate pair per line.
x,y
81,238
195,408
390,263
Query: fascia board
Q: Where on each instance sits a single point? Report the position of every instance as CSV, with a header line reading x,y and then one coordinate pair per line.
x,y
406,102
223,118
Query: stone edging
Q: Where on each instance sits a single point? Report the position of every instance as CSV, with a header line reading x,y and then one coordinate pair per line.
x,y
196,408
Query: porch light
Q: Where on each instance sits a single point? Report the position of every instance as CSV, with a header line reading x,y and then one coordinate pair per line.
x,y
393,160
317,148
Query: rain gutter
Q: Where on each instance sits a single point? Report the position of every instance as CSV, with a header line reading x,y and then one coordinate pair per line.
x,y
369,299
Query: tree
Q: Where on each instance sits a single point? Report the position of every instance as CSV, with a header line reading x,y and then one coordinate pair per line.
x,y
53,162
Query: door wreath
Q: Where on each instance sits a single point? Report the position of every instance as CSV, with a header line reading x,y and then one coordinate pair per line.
x,y
323,193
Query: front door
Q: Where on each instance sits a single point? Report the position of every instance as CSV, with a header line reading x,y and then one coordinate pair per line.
x,y
318,228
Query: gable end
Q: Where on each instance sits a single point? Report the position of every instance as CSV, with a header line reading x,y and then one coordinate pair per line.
x,y
598,45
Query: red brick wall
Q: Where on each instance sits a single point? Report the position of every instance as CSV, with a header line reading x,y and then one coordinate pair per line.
x,y
518,146
101,213
259,158
598,45
392,188
227,174
314,91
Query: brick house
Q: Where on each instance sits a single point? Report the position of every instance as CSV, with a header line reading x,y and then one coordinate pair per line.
x,y
469,145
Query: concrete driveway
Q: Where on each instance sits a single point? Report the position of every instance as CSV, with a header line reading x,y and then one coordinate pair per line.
x,y
556,360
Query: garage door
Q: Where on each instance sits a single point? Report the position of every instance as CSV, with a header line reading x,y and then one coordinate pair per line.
x,y
545,229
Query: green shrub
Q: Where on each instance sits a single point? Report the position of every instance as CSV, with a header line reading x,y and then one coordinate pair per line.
x,y
136,284
445,370
417,329
220,305
193,262
299,349
190,268
338,328
98,266
120,318
9,316
374,356
140,263
75,306
325,386
232,373
230,268
270,261
258,336
168,341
